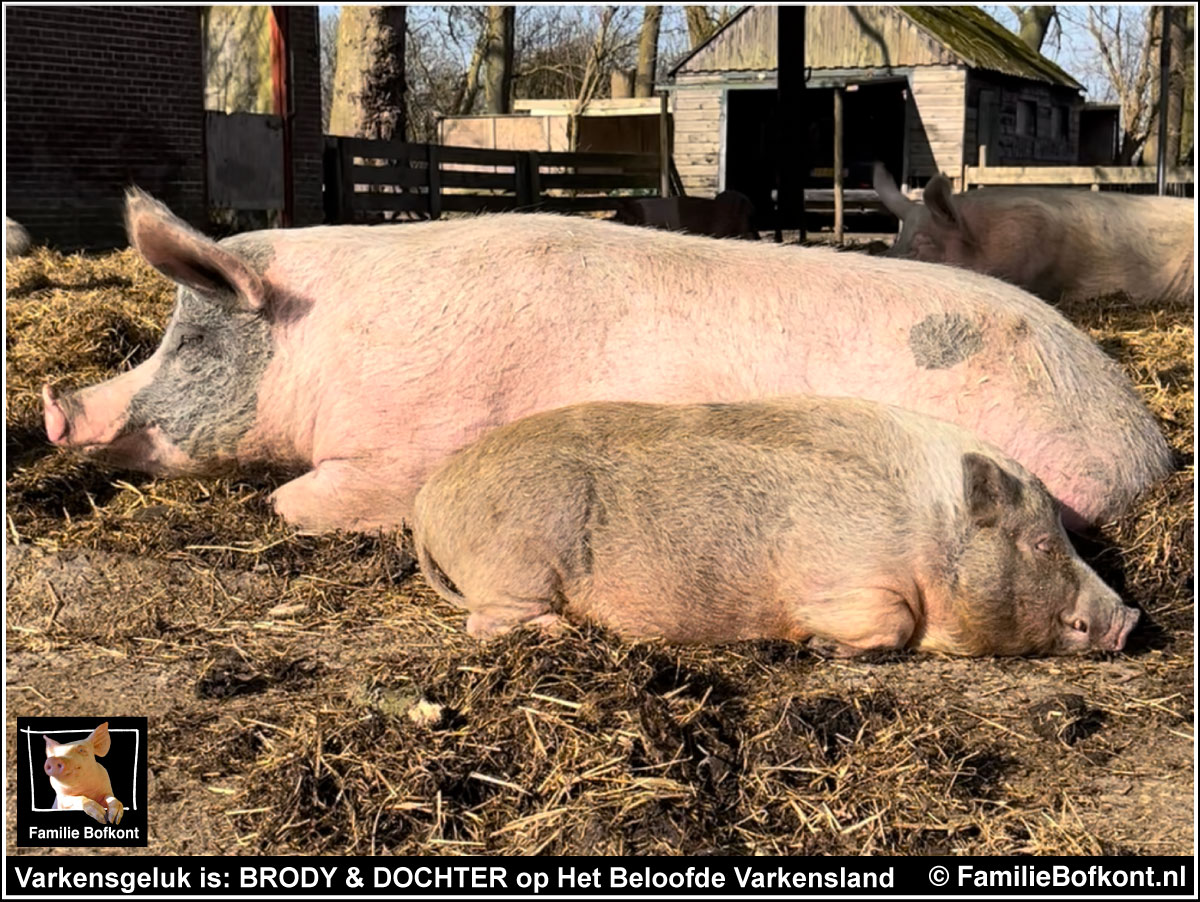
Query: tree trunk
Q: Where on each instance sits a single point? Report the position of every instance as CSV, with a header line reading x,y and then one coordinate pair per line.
x,y
369,79
700,25
464,99
622,81
1187,113
237,59
1176,30
1033,24
1150,145
498,59
647,58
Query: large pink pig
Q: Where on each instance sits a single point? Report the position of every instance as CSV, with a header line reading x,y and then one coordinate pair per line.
x,y
364,356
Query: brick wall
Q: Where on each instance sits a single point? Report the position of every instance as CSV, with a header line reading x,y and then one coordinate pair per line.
x,y
307,138
98,98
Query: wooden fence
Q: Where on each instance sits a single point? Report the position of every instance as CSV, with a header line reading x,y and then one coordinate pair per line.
x,y
1095,176
364,179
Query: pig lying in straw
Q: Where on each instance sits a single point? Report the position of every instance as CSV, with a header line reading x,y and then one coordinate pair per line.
x,y
81,781
837,518
365,356
1060,244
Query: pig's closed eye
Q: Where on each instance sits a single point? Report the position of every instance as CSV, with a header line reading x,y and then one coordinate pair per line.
x,y
190,340
1044,545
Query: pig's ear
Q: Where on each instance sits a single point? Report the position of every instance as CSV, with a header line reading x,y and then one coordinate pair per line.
x,y
988,489
100,740
185,256
50,745
938,201
891,196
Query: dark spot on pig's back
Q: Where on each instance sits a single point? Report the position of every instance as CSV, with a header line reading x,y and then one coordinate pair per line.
x,y
941,340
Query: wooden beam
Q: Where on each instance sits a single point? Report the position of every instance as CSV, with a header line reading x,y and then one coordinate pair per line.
x,y
1073,175
664,149
838,165
791,156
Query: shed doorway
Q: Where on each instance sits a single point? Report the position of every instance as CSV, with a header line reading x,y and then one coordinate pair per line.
x,y
873,125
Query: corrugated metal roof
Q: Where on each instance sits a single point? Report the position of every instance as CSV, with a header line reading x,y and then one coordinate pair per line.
x,y
965,33
983,43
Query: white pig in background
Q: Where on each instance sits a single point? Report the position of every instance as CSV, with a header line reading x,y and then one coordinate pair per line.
x,y
1058,243
79,780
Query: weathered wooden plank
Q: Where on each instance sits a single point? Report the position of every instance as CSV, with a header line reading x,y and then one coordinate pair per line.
x,y
629,161
1074,175
584,181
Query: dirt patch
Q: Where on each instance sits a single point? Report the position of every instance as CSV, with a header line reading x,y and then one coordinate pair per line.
x,y
310,694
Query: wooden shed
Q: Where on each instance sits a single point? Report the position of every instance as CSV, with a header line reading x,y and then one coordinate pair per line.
x,y
924,88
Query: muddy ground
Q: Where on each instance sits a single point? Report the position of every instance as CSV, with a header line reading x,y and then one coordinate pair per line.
x,y
311,694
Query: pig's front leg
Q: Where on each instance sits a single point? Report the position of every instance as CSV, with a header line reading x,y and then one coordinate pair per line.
x,y
116,810
95,810
357,495
867,620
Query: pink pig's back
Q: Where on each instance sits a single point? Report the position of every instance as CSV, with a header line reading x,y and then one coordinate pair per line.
x,y
422,336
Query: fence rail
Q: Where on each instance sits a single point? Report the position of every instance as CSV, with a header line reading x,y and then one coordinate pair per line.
x,y
1095,176
364,178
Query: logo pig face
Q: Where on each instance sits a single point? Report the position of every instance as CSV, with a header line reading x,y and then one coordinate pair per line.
x,y
68,762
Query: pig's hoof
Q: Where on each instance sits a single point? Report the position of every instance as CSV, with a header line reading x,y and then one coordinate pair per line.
x,y
485,626
95,811
116,811
831,648
550,624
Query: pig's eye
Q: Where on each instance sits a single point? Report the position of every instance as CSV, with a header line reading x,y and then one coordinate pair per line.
x,y
1044,545
1079,625
190,340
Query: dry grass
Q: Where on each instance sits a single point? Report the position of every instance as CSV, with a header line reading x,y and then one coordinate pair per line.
x,y
310,694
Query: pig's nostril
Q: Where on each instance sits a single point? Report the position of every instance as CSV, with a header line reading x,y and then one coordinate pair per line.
x,y
1080,626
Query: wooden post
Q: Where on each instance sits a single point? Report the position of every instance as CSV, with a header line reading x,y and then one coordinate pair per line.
x,y
332,164
1164,80
346,187
838,163
535,177
524,186
791,156
435,183
664,147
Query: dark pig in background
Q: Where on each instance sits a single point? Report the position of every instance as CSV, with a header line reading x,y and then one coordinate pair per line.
x,y
854,522
725,216
16,240
1060,244
361,357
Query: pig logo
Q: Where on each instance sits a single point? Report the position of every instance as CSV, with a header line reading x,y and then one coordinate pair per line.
x,y
79,780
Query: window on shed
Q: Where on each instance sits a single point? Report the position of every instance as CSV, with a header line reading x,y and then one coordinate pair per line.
x,y
1060,122
1027,117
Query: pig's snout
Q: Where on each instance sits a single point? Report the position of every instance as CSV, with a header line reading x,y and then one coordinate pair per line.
x,y
1123,621
57,424
54,767
90,419
1102,623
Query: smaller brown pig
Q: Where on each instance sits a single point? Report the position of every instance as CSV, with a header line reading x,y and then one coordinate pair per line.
x,y
80,781
856,523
